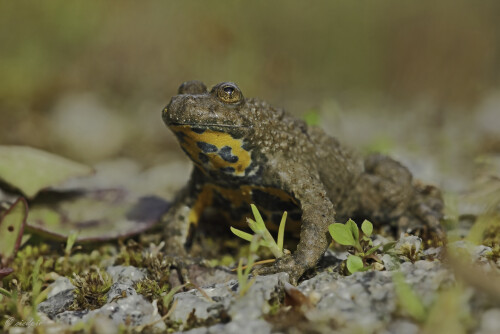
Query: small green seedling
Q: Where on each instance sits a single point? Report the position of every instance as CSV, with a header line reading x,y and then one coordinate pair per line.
x,y
167,298
348,235
243,274
6,293
70,242
265,238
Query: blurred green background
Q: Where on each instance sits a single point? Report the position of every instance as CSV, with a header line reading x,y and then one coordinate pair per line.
x,y
420,80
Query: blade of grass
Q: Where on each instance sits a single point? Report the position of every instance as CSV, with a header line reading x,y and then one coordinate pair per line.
x,y
243,235
281,231
170,295
70,242
5,293
258,217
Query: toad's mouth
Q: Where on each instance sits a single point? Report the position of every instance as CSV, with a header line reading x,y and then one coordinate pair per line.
x,y
209,125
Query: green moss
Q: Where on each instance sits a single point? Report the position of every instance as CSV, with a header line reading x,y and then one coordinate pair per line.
x,y
22,304
157,263
24,264
491,234
150,289
91,289
410,251
51,260
494,255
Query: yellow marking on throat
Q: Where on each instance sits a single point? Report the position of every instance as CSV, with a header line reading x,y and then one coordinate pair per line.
x,y
190,139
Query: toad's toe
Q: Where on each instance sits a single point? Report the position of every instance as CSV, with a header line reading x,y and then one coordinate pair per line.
x,y
288,264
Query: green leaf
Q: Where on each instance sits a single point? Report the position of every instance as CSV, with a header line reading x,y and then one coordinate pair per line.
x,y
243,275
372,250
388,246
6,293
281,231
354,263
342,234
258,218
259,227
70,242
367,228
170,295
253,225
354,229
243,235
31,170
12,224
408,300
254,246
42,296
262,235
247,236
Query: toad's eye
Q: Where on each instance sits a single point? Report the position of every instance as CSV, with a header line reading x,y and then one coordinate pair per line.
x,y
229,93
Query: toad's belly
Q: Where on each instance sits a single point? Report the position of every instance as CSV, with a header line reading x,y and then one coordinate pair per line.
x,y
234,205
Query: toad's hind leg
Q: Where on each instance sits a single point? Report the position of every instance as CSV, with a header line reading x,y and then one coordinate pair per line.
x,y
385,193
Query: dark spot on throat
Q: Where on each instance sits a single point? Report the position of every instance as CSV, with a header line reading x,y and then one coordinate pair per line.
x,y
206,147
225,153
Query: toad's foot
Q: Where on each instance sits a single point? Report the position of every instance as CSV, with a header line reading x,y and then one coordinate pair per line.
x,y
179,269
289,264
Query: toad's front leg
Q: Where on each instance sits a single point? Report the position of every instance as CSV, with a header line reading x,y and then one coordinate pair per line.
x,y
317,214
184,216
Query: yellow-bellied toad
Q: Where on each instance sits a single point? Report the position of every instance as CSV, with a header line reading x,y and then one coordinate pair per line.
x,y
245,151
